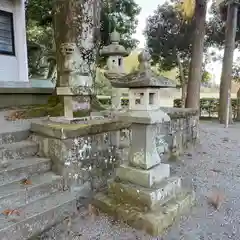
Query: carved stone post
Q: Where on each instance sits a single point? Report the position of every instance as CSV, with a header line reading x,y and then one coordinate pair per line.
x,y
76,25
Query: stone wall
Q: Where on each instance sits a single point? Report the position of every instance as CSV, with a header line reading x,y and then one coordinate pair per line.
x,y
183,130
87,154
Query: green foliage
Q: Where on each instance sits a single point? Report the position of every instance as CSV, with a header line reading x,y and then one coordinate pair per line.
x,y
209,107
106,100
119,14
39,43
169,38
103,86
215,31
206,77
236,71
168,34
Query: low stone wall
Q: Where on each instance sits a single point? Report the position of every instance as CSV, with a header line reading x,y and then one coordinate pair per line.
x,y
172,139
87,154
183,130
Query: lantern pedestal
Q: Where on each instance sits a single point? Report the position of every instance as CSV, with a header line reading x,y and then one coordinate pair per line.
x,y
143,194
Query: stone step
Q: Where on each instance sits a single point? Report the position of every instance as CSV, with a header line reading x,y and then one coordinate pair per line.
x,y
37,217
18,150
15,136
145,197
17,194
23,168
155,221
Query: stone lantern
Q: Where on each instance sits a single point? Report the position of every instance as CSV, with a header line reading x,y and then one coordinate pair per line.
x,y
142,193
115,54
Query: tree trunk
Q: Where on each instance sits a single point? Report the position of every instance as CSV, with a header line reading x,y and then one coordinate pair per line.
x,y
78,21
238,105
226,77
182,80
195,68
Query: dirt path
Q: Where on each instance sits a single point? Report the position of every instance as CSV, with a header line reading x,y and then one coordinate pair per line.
x,y
214,165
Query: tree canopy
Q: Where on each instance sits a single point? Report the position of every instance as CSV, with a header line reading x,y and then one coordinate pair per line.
x,y
215,31
119,14
168,35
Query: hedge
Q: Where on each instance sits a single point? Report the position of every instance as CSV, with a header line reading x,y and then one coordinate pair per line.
x,y
209,106
106,100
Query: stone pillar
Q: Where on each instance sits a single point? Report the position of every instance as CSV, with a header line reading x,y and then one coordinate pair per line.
x,y
116,100
77,38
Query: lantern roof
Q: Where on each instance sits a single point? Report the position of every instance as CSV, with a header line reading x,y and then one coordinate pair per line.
x,y
114,48
144,77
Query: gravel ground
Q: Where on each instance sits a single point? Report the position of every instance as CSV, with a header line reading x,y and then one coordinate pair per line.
x,y
212,167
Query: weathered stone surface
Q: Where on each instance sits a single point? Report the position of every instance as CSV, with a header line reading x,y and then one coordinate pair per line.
x,y
180,112
144,197
38,216
64,131
143,152
15,136
16,194
23,168
144,117
18,150
102,149
153,222
145,178
89,158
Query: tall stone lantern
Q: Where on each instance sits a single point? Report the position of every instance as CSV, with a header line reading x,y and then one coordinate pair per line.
x,y
115,65
142,193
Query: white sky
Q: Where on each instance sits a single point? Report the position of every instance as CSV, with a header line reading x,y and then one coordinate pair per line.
x,y
147,9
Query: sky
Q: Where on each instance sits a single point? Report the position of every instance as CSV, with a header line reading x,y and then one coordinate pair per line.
x,y
148,7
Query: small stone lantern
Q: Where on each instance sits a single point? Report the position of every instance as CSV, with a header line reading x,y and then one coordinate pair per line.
x,y
115,54
143,194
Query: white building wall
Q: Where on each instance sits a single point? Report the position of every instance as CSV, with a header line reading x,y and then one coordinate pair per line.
x,y
15,68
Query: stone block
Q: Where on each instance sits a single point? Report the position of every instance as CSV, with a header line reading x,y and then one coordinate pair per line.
x,y
144,117
154,222
42,144
144,197
145,178
65,131
143,152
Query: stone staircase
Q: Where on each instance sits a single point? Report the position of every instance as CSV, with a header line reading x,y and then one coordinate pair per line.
x,y
30,188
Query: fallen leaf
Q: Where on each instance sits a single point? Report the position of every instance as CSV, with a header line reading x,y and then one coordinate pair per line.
x,y
9,212
216,200
15,115
26,181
